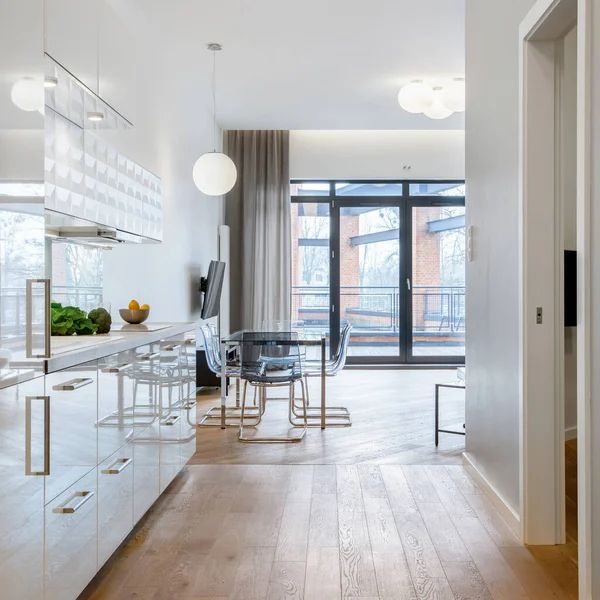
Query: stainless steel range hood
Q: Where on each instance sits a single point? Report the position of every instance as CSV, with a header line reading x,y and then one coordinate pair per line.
x,y
96,235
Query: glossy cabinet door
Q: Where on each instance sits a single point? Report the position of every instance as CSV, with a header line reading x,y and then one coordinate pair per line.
x,y
23,462
145,373
115,403
73,416
71,539
115,501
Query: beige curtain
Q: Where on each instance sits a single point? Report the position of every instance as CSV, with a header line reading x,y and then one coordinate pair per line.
x,y
258,212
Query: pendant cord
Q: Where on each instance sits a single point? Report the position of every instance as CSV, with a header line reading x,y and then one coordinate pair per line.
x,y
214,93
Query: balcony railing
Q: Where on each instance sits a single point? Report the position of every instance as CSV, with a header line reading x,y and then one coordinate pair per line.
x,y
437,310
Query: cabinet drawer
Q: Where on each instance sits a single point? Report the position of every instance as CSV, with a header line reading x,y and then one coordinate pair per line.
x,y
71,559
115,403
73,416
115,501
146,457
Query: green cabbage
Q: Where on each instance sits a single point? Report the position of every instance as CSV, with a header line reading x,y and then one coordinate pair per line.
x,y
70,320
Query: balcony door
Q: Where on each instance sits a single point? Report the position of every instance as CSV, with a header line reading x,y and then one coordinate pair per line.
x,y
386,257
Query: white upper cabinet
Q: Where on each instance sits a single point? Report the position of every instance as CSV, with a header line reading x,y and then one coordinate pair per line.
x,y
117,60
72,37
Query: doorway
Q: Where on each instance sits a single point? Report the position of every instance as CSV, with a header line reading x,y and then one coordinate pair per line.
x,y
387,258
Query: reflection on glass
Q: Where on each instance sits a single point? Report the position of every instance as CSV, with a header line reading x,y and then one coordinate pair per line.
x,y
368,189
369,271
310,268
437,189
309,189
438,281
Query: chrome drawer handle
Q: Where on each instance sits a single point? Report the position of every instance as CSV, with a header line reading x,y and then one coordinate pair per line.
x,y
171,348
117,466
65,509
28,401
29,319
170,421
148,356
117,368
72,384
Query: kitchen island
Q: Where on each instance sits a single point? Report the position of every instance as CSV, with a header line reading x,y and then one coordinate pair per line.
x,y
89,439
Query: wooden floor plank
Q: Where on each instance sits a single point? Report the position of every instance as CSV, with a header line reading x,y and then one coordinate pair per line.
x,y
446,540
382,526
448,492
371,481
322,574
324,479
349,490
466,581
398,490
253,574
420,485
292,542
356,559
323,527
286,581
300,484
393,576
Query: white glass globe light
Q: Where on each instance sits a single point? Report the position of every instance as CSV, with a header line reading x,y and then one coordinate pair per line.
x,y
28,94
415,97
437,110
214,174
453,95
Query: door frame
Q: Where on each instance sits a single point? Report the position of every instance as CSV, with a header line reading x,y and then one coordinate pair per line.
x,y
405,202
540,256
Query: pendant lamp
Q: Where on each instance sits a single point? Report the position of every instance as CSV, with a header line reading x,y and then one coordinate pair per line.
x,y
214,173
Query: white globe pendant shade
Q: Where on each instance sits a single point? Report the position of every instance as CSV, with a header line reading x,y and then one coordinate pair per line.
x,y
28,94
415,97
437,110
214,174
453,95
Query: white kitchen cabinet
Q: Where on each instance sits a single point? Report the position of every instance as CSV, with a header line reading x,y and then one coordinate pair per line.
x,y
115,501
72,37
71,539
73,416
23,462
146,461
115,403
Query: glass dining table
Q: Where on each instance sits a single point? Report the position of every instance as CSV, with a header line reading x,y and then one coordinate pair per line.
x,y
235,339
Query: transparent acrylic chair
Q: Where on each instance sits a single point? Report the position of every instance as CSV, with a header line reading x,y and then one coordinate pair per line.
x,y
268,360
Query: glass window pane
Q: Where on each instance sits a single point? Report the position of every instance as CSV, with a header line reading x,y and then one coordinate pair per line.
x,y
437,189
438,281
368,189
309,189
310,268
369,263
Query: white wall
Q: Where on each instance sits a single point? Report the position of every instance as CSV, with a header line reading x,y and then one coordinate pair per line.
x,y
172,128
568,170
492,339
377,154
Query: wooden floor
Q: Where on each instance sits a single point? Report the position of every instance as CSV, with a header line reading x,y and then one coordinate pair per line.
x,y
364,521
325,532
392,414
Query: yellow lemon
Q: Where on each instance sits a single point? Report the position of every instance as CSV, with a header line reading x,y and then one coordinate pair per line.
x,y
134,305
145,307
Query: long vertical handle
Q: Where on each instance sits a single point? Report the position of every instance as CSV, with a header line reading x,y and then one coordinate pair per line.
x,y
28,469
29,318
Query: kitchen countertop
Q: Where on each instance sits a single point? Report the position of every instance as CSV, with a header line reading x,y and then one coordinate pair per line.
x,y
77,350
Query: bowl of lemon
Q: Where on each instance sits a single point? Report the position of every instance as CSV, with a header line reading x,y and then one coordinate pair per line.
x,y
134,313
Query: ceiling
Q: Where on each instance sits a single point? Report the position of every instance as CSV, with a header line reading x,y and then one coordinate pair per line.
x,y
314,64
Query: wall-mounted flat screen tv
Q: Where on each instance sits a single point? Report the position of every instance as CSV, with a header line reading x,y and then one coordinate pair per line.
x,y
212,286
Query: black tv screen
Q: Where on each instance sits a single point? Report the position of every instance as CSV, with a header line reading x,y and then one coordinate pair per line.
x,y
212,286
570,271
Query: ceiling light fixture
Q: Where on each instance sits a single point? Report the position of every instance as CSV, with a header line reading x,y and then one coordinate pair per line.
x,y
437,110
50,81
95,116
28,94
214,173
453,95
415,96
